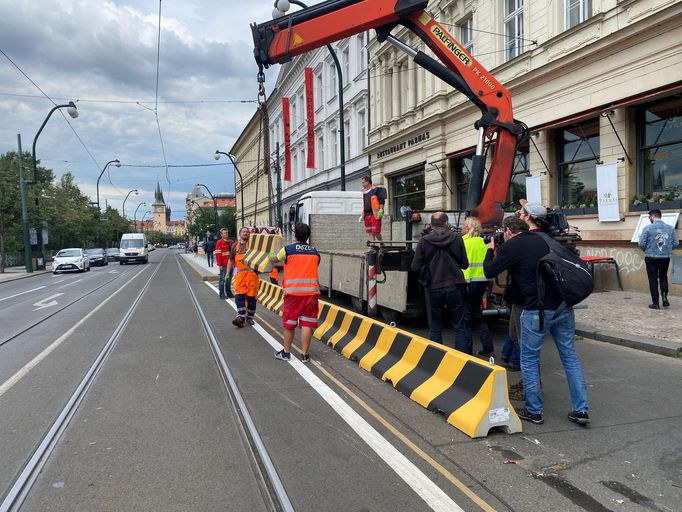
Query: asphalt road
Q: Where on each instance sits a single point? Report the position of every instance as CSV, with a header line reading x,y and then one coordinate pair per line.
x,y
156,429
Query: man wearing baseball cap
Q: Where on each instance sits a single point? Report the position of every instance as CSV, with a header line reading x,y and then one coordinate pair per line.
x,y
520,256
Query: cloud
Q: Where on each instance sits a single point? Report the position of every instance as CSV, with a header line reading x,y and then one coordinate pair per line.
x,y
103,54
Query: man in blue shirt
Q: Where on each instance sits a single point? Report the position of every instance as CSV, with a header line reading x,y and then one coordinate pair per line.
x,y
658,240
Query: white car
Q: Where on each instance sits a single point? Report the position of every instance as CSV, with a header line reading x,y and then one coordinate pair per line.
x,y
71,259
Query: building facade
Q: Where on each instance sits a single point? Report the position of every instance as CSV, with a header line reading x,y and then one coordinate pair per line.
x,y
326,173
596,81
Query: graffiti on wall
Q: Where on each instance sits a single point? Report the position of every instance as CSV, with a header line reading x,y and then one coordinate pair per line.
x,y
629,260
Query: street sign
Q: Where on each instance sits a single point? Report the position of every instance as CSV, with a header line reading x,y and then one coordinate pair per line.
x,y
34,236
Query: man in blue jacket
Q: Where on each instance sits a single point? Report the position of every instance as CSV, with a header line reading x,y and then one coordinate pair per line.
x,y
658,240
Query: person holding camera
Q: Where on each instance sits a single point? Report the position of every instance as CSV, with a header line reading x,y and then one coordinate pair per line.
x,y
520,256
440,256
477,283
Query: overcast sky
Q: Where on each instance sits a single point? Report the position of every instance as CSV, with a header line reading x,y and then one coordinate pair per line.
x,y
102,55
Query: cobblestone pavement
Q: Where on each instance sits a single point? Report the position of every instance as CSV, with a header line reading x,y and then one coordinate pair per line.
x,y
628,312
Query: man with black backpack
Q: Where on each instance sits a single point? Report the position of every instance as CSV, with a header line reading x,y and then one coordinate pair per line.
x,y
545,309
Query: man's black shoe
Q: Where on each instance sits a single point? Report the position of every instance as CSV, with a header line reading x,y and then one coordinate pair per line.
x,y
654,306
666,304
222,296
525,414
485,354
581,417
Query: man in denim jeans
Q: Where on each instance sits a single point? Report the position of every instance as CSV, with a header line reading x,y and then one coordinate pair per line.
x,y
441,255
520,255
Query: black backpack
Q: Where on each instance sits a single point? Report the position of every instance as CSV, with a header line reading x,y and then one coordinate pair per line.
x,y
566,272
381,194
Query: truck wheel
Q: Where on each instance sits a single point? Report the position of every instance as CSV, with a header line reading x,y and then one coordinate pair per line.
x,y
358,305
389,315
122,262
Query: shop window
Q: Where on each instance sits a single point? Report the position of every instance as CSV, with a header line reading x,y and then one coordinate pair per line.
x,y
462,175
513,28
660,149
517,186
408,190
578,152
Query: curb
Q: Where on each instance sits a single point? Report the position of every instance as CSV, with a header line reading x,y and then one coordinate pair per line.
x,y
661,347
199,269
22,275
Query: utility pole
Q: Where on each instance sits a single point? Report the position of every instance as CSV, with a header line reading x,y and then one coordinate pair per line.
x,y
24,210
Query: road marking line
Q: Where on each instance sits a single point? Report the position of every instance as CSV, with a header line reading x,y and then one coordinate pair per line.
x,y
433,495
42,304
72,282
9,383
17,294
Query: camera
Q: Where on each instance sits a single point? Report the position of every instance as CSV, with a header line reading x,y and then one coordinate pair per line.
x,y
497,237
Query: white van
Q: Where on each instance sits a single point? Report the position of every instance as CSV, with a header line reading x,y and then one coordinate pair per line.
x,y
133,248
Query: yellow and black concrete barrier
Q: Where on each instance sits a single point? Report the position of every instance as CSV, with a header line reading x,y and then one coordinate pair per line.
x,y
470,392
258,248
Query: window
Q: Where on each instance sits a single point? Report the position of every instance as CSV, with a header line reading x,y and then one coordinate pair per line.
x,y
660,148
335,147
362,52
408,190
320,153
578,152
294,113
362,131
466,34
301,103
345,64
294,165
319,90
462,174
575,12
346,136
517,187
332,81
513,28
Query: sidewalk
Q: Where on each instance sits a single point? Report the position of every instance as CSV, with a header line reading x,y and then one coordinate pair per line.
x,y
621,318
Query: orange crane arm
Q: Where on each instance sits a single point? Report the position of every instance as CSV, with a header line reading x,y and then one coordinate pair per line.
x,y
280,40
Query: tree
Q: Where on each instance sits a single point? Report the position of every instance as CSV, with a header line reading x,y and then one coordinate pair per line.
x,y
72,219
202,221
227,219
11,236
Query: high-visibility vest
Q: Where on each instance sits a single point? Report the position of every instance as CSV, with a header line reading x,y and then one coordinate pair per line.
x,y
476,251
300,270
274,273
239,251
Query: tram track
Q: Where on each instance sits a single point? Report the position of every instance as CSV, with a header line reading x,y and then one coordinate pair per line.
x,y
19,490
62,308
270,485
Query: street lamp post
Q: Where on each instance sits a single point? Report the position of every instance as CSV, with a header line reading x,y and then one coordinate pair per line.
x,y
117,163
135,216
124,201
73,112
281,7
142,220
215,206
241,180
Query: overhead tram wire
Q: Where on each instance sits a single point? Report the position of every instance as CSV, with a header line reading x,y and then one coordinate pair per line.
x,y
132,102
156,99
54,103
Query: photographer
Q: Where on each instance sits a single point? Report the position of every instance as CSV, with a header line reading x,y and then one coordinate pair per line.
x,y
520,256
440,256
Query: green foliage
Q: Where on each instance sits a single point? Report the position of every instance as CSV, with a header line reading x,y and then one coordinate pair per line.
x,y
10,201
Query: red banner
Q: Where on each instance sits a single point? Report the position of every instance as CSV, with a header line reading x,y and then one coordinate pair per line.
x,y
310,115
287,139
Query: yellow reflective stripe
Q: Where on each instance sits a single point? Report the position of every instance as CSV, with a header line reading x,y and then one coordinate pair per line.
x,y
297,290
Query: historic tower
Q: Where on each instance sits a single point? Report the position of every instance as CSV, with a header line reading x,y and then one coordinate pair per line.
x,y
160,212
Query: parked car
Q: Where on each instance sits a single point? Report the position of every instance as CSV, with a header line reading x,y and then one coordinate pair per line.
x,y
97,257
71,259
112,254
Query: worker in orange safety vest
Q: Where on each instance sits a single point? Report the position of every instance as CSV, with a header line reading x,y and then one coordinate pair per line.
x,y
301,290
245,281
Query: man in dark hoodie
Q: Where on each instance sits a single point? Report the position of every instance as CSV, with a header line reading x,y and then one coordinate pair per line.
x,y
441,256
